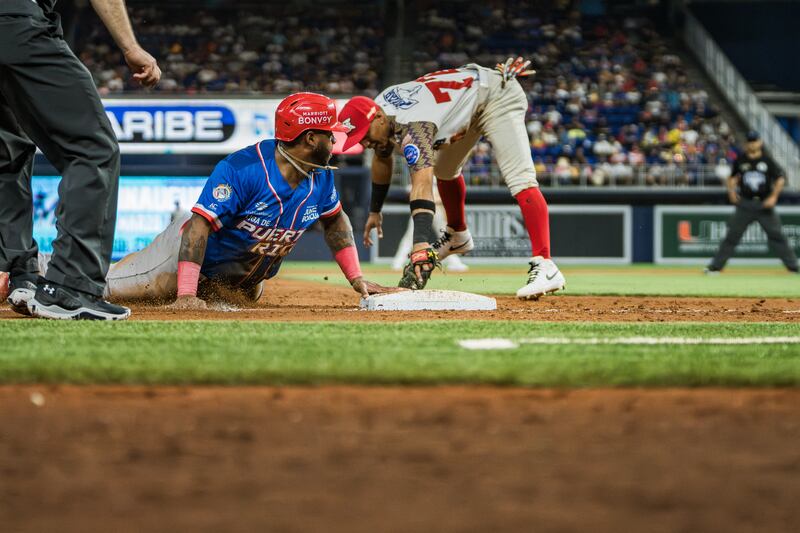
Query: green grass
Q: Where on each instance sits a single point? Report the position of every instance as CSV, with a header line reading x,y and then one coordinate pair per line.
x,y
383,353
638,280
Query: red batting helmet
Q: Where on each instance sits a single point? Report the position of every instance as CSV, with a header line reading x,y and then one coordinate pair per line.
x,y
300,112
356,116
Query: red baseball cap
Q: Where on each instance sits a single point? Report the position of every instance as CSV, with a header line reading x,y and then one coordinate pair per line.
x,y
356,116
300,112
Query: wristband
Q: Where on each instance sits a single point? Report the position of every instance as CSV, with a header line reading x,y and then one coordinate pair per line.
x,y
347,258
188,278
426,205
379,192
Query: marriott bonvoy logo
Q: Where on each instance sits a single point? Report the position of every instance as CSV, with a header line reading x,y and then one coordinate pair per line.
x,y
314,120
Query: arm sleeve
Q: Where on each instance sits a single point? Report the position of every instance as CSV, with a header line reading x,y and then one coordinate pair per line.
x,y
417,145
222,197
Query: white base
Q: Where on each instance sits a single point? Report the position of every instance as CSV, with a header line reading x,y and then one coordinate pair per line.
x,y
428,301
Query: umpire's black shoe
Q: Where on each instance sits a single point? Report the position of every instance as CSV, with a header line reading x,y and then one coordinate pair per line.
x,y
20,291
61,303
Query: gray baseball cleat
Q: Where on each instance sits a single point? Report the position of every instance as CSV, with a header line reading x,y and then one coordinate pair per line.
x,y
20,291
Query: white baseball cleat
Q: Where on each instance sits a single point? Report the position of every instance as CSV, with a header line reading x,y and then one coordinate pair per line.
x,y
453,242
544,277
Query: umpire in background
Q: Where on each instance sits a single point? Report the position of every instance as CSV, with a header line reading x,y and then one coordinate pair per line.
x,y
48,99
760,182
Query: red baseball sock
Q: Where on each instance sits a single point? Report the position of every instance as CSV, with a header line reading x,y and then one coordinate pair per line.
x,y
537,220
454,196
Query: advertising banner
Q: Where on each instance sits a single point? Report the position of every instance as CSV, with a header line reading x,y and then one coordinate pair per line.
x,y
199,126
692,234
145,207
579,234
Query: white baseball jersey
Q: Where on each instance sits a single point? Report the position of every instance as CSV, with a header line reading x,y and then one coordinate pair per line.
x,y
441,105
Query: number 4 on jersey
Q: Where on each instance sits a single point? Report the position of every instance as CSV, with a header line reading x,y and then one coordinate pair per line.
x,y
436,87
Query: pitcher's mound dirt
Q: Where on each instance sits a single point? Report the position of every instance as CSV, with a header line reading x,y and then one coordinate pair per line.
x,y
398,459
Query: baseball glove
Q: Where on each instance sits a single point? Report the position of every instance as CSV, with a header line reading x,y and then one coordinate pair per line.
x,y
419,268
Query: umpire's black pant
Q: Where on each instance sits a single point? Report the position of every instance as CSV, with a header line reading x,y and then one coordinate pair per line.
x,y
747,212
48,99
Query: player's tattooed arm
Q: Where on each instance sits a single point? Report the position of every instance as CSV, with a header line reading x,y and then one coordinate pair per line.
x,y
192,250
194,240
338,232
418,145
420,156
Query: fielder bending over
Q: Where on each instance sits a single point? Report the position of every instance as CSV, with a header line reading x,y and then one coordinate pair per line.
x,y
434,121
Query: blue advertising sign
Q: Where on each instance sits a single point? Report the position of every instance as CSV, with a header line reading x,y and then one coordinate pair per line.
x,y
146,205
171,123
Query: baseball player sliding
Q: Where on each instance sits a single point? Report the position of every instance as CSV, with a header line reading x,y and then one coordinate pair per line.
x,y
253,210
434,122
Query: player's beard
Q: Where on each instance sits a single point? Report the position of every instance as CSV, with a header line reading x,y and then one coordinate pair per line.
x,y
321,155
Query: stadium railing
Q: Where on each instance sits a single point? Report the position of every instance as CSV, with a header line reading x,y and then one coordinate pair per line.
x,y
784,150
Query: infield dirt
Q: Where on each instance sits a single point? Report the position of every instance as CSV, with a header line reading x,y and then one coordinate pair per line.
x,y
287,300
304,301
397,459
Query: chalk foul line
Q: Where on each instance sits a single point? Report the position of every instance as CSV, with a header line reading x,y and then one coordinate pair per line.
x,y
507,344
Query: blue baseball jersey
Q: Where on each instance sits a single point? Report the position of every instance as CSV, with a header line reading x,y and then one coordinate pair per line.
x,y
256,216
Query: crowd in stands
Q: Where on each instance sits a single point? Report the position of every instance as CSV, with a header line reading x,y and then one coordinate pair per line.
x,y
610,103
256,48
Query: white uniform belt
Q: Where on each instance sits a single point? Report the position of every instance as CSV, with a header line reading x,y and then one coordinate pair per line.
x,y
483,81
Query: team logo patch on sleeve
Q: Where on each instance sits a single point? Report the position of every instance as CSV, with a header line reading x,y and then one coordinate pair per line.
x,y
222,192
402,98
411,153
